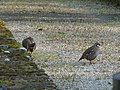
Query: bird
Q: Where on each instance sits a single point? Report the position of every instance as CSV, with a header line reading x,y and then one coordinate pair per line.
x,y
29,44
91,53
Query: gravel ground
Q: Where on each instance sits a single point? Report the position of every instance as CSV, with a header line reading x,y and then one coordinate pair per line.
x,y
68,28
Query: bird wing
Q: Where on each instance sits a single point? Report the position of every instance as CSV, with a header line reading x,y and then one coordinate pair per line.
x,y
89,51
26,43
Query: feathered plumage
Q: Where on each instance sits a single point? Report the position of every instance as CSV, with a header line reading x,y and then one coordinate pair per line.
x,y
29,44
91,53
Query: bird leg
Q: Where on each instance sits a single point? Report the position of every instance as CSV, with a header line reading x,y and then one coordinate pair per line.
x,y
90,62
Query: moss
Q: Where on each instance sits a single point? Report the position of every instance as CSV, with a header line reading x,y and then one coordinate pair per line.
x,y
51,36
6,37
30,70
13,43
30,63
62,33
45,66
2,23
9,74
2,59
5,81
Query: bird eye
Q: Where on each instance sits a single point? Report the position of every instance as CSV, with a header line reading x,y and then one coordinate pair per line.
x,y
98,45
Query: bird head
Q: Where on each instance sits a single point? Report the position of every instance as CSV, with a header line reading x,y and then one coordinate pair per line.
x,y
31,47
97,44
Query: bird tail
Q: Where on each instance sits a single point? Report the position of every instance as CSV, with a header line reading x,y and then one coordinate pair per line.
x,y
80,59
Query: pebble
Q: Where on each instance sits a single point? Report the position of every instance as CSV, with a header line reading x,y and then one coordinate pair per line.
x,y
21,50
3,87
3,56
4,47
40,29
11,50
7,52
7,60
28,57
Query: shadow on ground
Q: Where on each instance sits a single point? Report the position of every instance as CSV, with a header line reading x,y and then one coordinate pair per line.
x,y
58,17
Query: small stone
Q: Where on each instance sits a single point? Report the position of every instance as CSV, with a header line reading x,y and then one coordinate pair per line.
x,y
3,56
35,67
7,52
109,82
28,57
7,60
40,29
4,47
11,50
3,87
22,50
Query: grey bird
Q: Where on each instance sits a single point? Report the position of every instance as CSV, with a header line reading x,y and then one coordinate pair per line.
x,y
91,53
29,44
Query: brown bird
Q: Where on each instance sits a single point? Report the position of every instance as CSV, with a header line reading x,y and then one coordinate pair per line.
x,y
29,44
91,53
